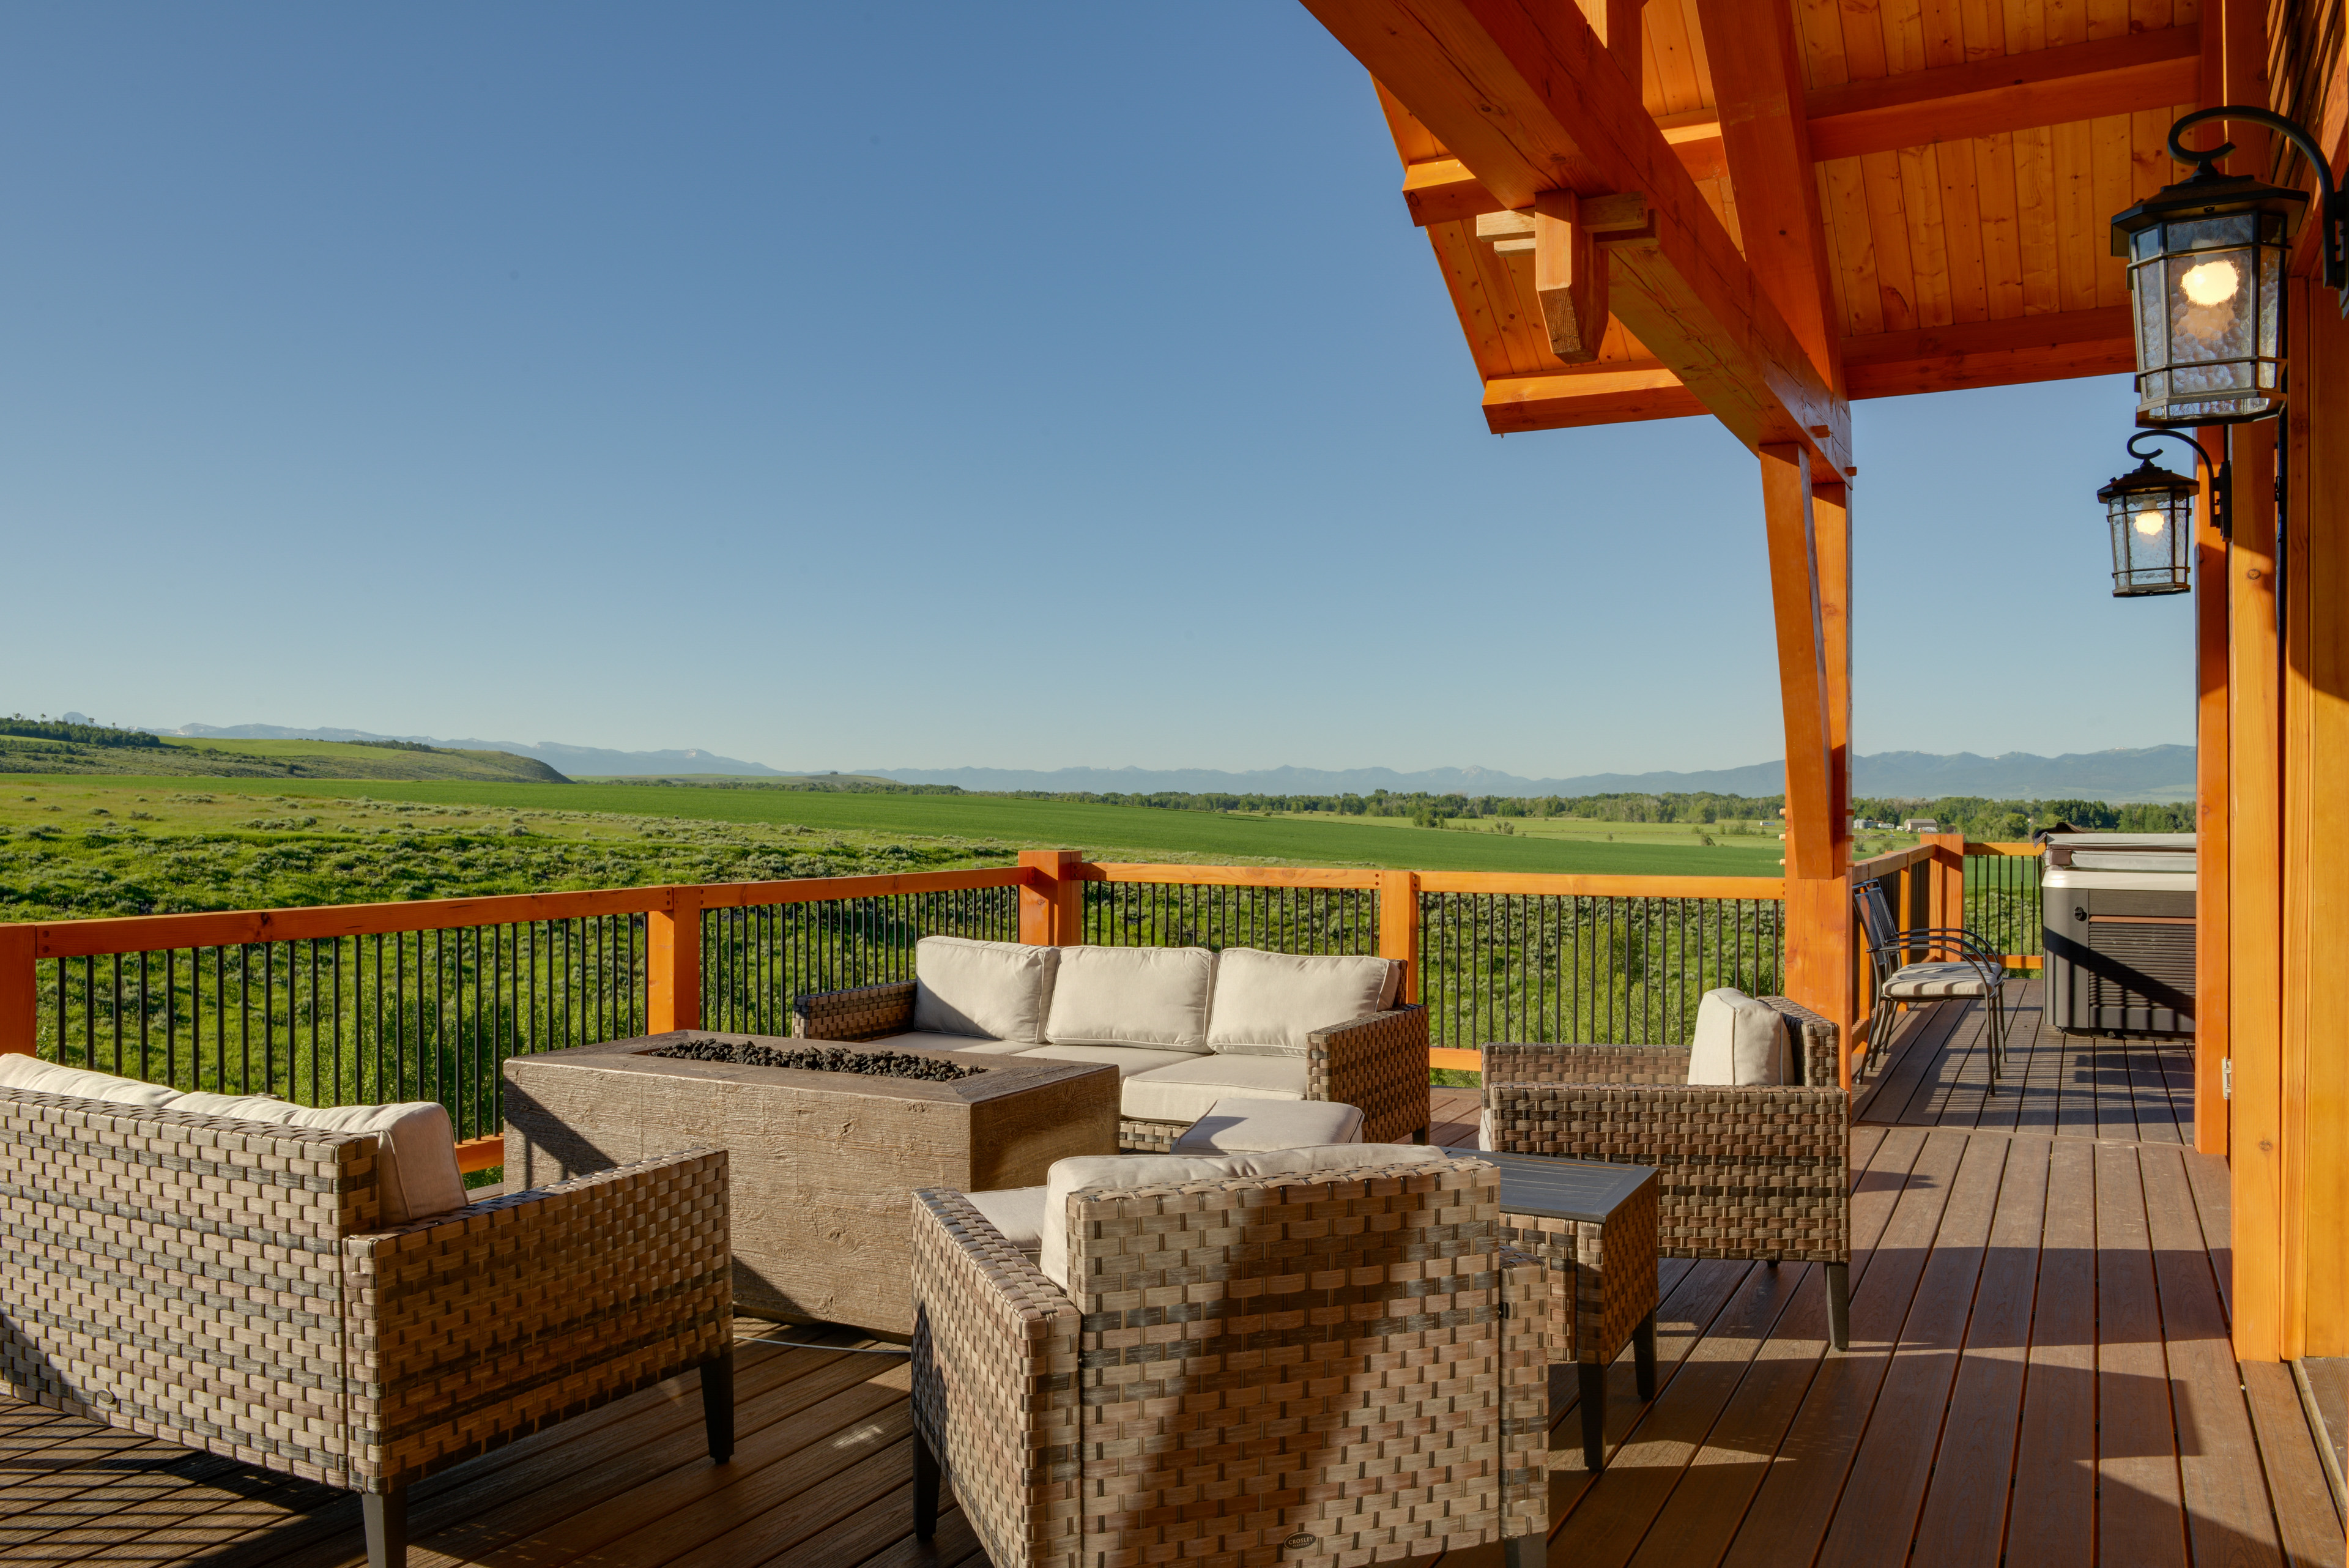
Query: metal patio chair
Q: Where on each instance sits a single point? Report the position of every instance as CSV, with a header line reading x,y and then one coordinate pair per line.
x,y
1956,963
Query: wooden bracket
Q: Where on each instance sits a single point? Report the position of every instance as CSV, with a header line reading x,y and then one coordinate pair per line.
x,y
1570,278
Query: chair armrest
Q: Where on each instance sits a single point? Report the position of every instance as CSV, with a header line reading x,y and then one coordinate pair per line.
x,y
1817,1045
1536,1063
867,1012
1742,1172
1378,1063
995,1382
470,1329
1526,1354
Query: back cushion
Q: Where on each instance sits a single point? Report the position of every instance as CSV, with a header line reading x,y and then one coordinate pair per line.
x,y
1269,1002
36,1076
1132,996
997,989
1739,1040
416,1149
1115,1172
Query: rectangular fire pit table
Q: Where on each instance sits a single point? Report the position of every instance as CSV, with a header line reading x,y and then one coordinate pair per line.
x,y
822,1163
1593,1226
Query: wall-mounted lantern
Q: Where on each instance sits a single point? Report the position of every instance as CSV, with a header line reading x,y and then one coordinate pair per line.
x,y
2151,511
2206,266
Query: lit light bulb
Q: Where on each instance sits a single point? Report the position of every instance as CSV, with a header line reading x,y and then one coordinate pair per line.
x,y
2212,283
2148,524
2210,291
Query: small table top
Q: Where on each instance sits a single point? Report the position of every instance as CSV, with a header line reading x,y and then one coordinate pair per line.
x,y
1585,1191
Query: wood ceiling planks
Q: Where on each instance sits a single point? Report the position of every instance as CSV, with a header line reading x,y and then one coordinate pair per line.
x,y
1948,232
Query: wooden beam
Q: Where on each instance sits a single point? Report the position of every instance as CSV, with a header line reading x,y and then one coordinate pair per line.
x,y
1610,394
1530,102
1831,536
2154,69
2052,348
1570,279
1802,687
1617,23
2210,820
1757,78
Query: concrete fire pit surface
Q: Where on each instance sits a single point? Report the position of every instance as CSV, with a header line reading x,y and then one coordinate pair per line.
x,y
821,1164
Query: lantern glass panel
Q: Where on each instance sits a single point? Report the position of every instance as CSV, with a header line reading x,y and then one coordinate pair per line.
x,y
2208,296
2150,533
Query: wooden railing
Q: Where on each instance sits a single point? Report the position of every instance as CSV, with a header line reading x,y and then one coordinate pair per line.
x,y
427,999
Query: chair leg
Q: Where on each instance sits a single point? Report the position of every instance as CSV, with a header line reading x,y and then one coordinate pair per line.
x,y
1526,1551
385,1514
1593,1376
718,1405
926,1488
1644,1356
1839,1305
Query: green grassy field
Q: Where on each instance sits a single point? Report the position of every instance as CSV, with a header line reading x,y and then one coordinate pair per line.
x,y
1101,831
181,758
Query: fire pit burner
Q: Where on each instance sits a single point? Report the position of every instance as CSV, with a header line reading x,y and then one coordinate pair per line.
x,y
832,1059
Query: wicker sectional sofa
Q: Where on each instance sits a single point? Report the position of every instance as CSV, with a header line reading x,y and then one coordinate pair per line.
x,y
1741,1171
1184,1026
229,1284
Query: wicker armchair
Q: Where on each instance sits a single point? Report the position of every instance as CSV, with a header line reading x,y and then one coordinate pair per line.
x,y
222,1284
1340,1368
1741,1172
1377,1062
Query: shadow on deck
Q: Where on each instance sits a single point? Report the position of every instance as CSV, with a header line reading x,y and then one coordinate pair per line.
x,y
2039,1373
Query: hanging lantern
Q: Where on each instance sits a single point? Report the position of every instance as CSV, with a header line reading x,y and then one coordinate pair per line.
x,y
2206,266
2152,515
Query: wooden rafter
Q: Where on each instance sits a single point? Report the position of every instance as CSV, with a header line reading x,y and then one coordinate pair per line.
x,y
1530,101
2154,69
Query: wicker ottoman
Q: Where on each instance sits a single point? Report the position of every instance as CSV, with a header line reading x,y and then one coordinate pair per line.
x,y
1593,1226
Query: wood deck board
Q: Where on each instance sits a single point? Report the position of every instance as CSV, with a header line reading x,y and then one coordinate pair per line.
x,y
2028,1258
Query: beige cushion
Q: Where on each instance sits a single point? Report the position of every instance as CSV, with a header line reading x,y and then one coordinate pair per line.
x,y
1240,1126
1391,991
1187,1088
416,1149
996,990
1155,997
1118,1171
1921,981
1738,1041
18,1071
970,1045
250,1108
1274,1001
1128,1060
1018,1212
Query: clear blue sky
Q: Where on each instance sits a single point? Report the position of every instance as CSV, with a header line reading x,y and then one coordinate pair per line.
x,y
904,385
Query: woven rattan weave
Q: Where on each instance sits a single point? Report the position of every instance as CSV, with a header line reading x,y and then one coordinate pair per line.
x,y
1340,1368
222,1284
1743,1172
1378,1063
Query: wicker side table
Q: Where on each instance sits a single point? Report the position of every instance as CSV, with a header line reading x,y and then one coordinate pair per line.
x,y
1593,1226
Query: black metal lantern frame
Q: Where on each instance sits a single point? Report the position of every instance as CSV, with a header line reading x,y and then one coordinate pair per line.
x,y
2206,268
2151,511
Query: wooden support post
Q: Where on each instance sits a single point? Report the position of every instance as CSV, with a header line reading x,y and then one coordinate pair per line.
x,y
1946,895
673,963
2211,1111
1051,912
1818,888
1398,925
1831,531
1570,279
19,991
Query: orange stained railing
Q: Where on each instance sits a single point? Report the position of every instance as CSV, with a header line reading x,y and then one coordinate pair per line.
x,y
424,999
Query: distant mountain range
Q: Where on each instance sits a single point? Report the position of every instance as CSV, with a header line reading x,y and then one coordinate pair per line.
x,y
576,762
2151,773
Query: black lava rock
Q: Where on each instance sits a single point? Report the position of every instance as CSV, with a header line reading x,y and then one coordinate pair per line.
x,y
820,1059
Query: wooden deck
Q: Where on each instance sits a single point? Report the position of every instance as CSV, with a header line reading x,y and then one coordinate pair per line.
x,y
2039,1373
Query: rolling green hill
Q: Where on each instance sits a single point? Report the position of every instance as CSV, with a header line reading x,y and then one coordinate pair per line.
x,y
271,759
1104,832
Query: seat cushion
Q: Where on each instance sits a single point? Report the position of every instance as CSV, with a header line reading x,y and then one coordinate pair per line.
x,y
1738,1041
1236,1125
1153,997
999,990
1118,1171
1921,981
1129,1060
33,1076
1271,1002
970,1044
1018,1212
1185,1090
